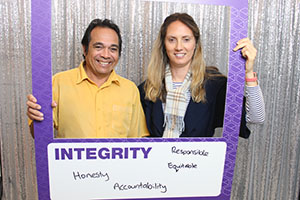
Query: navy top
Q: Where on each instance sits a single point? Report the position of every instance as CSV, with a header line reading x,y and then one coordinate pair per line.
x,y
200,119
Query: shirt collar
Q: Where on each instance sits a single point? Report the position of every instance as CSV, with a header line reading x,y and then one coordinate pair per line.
x,y
113,77
81,74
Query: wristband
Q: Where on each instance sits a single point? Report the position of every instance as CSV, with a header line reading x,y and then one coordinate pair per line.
x,y
254,79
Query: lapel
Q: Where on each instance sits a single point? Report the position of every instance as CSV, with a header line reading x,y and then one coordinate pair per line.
x,y
157,116
189,117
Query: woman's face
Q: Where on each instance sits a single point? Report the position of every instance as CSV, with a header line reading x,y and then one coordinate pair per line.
x,y
180,44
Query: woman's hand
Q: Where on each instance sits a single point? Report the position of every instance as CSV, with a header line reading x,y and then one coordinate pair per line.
x,y
249,53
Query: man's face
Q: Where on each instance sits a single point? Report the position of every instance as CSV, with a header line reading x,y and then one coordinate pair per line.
x,y
103,53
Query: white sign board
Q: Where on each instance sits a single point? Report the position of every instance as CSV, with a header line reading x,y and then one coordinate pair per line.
x,y
93,170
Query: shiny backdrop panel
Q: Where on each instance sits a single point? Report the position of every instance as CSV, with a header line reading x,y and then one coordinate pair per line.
x,y
17,148
139,24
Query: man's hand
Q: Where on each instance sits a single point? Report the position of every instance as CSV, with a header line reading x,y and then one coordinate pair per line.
x,y
33,108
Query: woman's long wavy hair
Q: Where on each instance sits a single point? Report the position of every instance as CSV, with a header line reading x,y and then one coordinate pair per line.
x,y
155,84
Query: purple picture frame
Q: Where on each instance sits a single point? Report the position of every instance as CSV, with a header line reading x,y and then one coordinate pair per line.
x,y
42,90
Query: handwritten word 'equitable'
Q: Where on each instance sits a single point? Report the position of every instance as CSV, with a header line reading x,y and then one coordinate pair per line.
x,y
148,186
101,153
79,176
181,166
189,152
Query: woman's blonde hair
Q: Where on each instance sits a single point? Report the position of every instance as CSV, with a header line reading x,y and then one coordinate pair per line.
x,y
154,85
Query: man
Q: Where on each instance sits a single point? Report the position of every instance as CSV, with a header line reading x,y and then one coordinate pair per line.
x,y
92,101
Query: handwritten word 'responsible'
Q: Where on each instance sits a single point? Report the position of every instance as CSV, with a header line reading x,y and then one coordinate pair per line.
x,y
189,152
101,153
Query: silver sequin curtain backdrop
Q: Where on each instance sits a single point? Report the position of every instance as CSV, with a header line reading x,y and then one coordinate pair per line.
x,y
267,165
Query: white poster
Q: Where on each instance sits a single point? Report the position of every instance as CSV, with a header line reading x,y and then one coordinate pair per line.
x,y
135,170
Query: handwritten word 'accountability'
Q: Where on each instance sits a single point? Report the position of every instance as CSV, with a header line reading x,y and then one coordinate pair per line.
x,y
101,153
147,186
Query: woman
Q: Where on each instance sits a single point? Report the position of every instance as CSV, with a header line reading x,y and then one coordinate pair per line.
x,y
182,97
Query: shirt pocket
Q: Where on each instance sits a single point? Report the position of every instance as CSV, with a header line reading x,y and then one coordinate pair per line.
x,y
121,119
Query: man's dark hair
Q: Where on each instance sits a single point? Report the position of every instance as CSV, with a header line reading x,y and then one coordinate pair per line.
x,y
106,23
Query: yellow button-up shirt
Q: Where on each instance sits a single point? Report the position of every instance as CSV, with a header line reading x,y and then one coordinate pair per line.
x,y
85,110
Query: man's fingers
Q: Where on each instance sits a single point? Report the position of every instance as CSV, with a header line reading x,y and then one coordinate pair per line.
x,y
30,97
33,109
53,104
34,114
33,105
35,118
